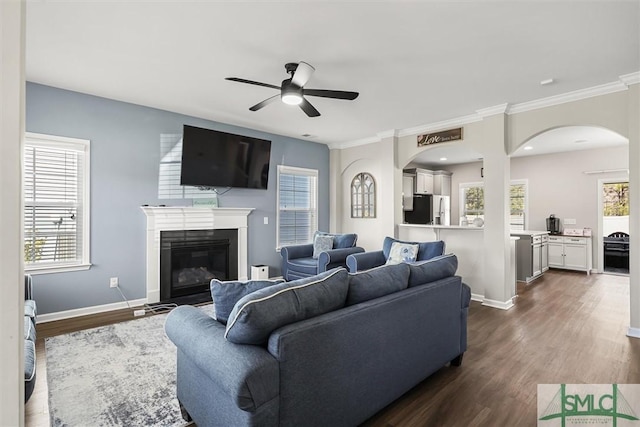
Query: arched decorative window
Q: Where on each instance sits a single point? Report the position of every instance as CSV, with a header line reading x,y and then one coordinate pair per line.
x,y
363,196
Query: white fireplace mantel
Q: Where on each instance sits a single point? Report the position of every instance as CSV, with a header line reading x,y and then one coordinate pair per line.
x,y
164,218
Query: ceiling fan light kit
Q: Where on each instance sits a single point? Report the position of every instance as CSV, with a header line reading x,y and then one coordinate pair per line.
x,y
292,90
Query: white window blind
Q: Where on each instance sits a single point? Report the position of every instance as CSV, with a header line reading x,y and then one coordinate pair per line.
x,y
297,205
56,203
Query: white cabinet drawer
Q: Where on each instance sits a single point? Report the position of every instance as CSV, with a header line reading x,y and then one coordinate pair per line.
x,y
556,239
575,240
545,238
536,240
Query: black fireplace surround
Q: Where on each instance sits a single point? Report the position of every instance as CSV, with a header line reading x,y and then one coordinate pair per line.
x,y
189,259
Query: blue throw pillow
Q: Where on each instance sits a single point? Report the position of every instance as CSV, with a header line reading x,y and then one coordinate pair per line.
x,y
225,295
322,243
426,250
258,314
433,269
377,282
340,240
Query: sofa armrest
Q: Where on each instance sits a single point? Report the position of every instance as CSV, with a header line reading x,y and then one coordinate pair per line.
x,y
365,261
28,287
336,257
296,251
247,373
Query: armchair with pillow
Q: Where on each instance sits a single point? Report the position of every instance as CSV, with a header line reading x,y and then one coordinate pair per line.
x,y
395,251
326,252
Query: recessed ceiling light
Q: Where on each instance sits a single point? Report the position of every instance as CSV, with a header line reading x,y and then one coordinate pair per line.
x,y
528,147
442,159
580,141
546,82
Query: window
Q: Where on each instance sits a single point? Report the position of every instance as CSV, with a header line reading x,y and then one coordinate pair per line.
x,y
518,198
56,204
297,205
472,202
363,196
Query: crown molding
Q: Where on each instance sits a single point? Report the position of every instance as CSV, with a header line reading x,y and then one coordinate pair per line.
x,y
492,111
631,79
622,84
576,95
356,143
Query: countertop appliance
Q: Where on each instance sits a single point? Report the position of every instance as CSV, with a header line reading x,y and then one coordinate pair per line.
x,y
553,224
429,209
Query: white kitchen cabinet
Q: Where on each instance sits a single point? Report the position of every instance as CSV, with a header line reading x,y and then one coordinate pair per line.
x,y
442,183
570,252
424,181
407,192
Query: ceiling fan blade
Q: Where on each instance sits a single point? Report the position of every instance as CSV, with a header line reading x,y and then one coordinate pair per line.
x,y
309,109
336,94
302,74
251,82
264,103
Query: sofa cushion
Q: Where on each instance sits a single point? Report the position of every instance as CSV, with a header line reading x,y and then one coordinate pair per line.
x,y
225,294
426,250
431,270
29,329
30,308
377,282
402,252
321,243
340,240
258,314
305,265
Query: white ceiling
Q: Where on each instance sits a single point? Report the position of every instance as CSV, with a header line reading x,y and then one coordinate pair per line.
x,y
414,63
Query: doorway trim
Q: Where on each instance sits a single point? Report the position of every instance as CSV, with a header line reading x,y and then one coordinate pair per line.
x,y
599,233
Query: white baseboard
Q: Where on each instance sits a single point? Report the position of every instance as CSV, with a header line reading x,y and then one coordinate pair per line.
x,y
69,314
477,297
633,332
506,305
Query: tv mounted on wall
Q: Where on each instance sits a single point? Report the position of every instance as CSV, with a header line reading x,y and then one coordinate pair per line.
x,y
212,158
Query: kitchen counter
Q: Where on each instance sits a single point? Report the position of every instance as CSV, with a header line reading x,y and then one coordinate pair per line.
x,y
527,232
441,227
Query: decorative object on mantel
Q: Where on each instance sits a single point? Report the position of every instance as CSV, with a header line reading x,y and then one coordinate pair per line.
x,y
205,203
438,137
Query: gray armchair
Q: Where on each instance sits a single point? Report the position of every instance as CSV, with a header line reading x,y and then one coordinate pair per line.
x,y
298,260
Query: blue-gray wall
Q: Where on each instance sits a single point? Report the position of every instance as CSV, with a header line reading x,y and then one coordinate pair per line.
x,y
125,156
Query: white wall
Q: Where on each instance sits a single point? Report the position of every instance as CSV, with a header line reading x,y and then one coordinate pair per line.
x,y
12,22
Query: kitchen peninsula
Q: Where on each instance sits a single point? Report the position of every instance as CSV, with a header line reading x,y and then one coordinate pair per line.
x,y
465,242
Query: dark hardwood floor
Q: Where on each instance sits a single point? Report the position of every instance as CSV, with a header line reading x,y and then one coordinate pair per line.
x,y
566,327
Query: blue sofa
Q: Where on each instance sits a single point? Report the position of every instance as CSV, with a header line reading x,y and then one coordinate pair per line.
x,y
30,314
399,324
365,261
298,261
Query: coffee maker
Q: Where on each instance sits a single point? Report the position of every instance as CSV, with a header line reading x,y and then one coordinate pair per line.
x,y
553,224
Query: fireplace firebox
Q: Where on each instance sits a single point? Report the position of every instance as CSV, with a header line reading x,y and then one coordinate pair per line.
x,y
189,259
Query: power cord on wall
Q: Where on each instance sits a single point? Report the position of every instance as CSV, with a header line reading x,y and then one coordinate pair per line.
x,y
155,309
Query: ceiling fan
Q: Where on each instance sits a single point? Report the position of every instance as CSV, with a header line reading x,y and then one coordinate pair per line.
x,y
292,90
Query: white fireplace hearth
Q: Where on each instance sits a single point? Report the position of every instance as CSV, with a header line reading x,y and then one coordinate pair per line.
x,y
164,218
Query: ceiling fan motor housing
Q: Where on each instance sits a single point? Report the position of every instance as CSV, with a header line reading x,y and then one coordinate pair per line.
x,y
290,93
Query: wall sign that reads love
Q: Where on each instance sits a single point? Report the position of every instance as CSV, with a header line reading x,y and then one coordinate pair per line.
x,y
437,137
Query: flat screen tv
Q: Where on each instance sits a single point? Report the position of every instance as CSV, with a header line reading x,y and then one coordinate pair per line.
x,y
212,158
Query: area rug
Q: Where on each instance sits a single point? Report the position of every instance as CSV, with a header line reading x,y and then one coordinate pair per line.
x,y
117,375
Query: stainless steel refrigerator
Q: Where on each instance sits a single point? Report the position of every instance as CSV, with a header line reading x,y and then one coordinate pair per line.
x,y
429,209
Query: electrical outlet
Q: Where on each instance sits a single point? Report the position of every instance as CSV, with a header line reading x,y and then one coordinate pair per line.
x,y
113,282
569,221
138,313
266,220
